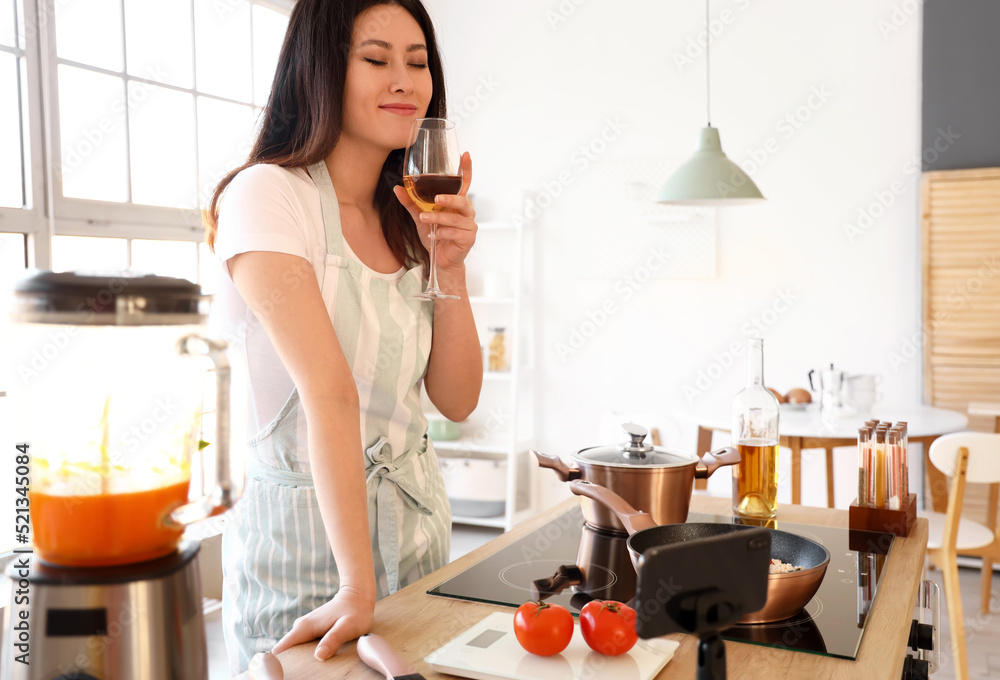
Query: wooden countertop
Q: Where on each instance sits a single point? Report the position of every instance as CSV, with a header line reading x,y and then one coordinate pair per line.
x,y
417,623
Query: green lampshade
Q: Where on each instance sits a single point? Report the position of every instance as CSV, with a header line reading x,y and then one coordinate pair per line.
x,y
709,178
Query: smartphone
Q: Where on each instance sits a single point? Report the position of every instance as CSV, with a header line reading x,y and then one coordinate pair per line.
x,y
702,585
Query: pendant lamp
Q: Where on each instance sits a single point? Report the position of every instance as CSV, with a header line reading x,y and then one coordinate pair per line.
x,y
709,178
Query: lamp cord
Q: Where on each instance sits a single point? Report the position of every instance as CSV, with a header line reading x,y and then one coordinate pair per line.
x,y
708,79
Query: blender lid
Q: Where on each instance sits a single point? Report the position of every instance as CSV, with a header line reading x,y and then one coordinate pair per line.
x,y
636,452
106,300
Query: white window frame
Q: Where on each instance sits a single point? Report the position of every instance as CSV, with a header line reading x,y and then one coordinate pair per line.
x,y
30,219
52,214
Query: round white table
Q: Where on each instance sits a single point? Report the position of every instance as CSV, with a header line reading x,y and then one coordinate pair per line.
x,y
804,428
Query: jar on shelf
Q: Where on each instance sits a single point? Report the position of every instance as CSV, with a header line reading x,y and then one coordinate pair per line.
x,y
497,360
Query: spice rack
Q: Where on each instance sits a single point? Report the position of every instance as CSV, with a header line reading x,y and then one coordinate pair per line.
x,y
897,522
884,502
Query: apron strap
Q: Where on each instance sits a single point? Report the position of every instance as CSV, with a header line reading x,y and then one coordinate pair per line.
x,y
331,209
389,476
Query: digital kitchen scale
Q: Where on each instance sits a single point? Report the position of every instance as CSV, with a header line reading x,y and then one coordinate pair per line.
x,y
490,651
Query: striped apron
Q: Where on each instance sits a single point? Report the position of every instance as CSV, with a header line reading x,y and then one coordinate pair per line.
x,y
277,561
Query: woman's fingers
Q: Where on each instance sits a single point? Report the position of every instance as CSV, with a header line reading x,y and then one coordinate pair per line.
x,y
462,237
341,632
450,219
407,202
305,629
466,166
456,203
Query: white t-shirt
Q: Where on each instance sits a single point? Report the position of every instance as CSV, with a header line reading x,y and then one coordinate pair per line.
x,y
264,208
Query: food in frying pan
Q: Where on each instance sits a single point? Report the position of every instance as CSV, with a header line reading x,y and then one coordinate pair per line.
x,y
779,567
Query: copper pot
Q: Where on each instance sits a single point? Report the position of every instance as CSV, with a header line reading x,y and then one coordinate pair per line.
x,y
654,479
787,593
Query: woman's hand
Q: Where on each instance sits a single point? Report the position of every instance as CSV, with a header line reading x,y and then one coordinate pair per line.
x,y
346,617
456,230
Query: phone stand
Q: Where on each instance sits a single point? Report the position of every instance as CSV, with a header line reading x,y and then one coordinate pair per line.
x,y
702,587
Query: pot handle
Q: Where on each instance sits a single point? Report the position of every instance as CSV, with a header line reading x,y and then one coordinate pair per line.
x,y
563,471
727,455
632,519
566,575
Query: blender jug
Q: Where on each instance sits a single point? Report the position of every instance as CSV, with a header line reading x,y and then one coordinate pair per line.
x,y
108,384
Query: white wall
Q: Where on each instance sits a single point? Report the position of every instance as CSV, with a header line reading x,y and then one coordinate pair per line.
x,y
552,86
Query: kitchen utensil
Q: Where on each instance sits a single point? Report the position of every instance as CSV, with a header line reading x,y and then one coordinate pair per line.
x,y
114,373
380,656
755,431
787,593
265,666
829,384
489,651
656,479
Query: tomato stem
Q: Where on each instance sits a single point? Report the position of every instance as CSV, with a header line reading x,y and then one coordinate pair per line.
x,y
612,607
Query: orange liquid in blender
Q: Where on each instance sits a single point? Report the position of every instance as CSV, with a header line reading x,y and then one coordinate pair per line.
x,y
105,529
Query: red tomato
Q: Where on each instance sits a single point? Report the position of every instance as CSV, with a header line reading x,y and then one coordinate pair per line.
x,y
542,628
608,627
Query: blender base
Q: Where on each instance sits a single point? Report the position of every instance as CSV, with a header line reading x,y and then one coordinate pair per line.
x,y
127,622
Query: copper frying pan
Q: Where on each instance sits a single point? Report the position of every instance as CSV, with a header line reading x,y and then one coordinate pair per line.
x,y
787,593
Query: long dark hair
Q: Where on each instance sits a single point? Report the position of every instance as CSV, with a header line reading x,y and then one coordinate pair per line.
x,y
304,113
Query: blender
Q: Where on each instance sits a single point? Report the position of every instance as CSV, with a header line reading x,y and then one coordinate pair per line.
x,y
109,384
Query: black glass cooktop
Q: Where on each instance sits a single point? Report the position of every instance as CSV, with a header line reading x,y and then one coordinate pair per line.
x,y
831,624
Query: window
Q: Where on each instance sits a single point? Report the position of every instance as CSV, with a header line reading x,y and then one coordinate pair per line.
x,y
15,190
157,101
150,104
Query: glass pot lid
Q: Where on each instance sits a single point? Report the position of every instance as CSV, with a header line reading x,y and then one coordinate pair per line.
x,y
635,453
86,300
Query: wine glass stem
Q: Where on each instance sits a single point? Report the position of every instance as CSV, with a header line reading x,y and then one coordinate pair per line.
x,y
432,281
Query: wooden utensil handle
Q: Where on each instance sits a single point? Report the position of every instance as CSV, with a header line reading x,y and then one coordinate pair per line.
x,y
265,666
380,656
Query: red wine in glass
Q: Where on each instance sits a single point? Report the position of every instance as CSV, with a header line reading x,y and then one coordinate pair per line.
x,y
431,168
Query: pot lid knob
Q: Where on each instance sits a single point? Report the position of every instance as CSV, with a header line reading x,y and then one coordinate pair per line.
x,y
637,448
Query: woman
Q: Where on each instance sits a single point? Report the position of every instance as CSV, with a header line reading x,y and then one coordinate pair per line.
x,y
322,249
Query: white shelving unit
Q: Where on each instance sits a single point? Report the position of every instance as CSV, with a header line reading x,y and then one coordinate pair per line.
x,y
502,428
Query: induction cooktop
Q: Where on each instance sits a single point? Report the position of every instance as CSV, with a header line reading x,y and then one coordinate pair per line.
x,y
831,624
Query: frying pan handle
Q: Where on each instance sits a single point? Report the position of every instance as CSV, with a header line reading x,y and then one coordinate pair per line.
x,y
710,462
632,519
563,471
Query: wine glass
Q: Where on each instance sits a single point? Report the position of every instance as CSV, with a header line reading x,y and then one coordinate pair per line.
x,y
431,167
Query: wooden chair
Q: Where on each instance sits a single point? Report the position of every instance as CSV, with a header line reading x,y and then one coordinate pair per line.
x,y
972,457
